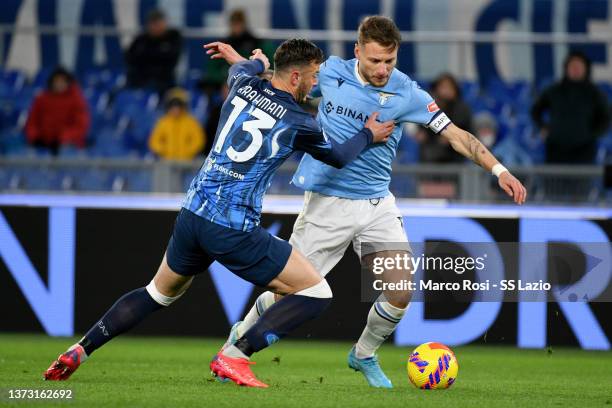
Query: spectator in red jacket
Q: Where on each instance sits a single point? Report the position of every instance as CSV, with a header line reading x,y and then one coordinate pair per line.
x,y
59,115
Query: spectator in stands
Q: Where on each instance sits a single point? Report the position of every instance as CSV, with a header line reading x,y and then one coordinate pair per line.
x,y
177,135
447,94
243,41
485,129
578,114
153,55
59,115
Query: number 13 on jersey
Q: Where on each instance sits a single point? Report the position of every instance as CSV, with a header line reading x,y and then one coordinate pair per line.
x,y
254,127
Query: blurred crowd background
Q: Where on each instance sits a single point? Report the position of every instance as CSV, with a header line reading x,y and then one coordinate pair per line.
x,y
136,109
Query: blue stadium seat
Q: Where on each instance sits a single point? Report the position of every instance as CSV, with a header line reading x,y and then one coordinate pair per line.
x,y
40,79
606,88
129,101
408,150
12,142
109,142
93,179
191,80
71,152
11,117
140,126
39,179
102,79
199,106
470,90
5,177
132,181
97,100
11,82
604,149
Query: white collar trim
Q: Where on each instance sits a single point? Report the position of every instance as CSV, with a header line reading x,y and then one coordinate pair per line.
x,y
358,75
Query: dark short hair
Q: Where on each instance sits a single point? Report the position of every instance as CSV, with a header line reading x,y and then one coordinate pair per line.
x,y
381,30
446,76
59,72
237,16
296,52
577,54
155,15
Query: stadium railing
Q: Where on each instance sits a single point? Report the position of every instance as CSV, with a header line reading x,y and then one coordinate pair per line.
x,y
461,182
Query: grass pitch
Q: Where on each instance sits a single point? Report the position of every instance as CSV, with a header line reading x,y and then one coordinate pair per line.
x,y
173,372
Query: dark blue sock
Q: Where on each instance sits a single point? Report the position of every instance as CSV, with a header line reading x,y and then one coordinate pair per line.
x,y
126,313
279,320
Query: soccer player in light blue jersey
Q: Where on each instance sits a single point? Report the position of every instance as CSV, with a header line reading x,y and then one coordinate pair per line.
x,y
261,125
354,204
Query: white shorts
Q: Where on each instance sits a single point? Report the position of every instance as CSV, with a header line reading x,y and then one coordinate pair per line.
x,y
327,225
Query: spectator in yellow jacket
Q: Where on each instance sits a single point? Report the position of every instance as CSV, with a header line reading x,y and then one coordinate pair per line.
x,y
177,135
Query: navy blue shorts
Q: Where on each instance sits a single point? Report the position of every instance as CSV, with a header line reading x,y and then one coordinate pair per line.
x,y
256,256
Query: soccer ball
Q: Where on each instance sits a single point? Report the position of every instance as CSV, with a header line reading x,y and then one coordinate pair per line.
x,y
432,366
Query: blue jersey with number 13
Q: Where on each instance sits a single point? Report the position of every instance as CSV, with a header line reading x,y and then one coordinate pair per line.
x,y
260,126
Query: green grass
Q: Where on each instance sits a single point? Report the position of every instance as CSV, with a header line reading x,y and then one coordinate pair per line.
x,y
173,372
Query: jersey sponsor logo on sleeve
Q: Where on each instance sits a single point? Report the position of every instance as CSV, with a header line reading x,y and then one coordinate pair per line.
x,y
432,107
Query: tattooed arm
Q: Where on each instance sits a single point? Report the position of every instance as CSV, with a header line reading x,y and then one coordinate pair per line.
x,y
469,146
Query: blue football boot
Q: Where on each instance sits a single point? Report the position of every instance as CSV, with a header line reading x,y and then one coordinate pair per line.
x,y
370,369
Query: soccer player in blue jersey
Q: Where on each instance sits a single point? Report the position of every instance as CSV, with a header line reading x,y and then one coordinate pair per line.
x,y
261,125
354,204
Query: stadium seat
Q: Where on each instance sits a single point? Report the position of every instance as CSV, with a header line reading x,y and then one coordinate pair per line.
x,y
198,105
102,79
130,101
408,150
40,79
97,100
132,181
37,179
470,90
11,83
109,142
93,179
604,149
12,142
138,131
191,80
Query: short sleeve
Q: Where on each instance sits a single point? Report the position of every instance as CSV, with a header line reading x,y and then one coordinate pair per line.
x,y
422,109
244,69
420,106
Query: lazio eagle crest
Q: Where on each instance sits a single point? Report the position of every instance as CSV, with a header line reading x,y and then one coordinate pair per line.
x,y
383,97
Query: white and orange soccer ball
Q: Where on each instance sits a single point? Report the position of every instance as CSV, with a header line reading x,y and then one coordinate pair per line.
x,y
432,366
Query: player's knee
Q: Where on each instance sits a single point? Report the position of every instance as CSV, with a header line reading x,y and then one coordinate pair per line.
x,y
392,312
399,299
159,297
320,290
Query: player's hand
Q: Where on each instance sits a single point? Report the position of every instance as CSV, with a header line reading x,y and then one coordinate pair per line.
x,y
381,131
258,54
218,50
513,187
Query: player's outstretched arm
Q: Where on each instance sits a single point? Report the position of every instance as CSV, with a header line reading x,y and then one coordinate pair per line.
x,y
469,146
225,51
327,150
240,66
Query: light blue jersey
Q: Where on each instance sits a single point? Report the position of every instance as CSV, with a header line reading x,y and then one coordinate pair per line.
x,y
344,108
